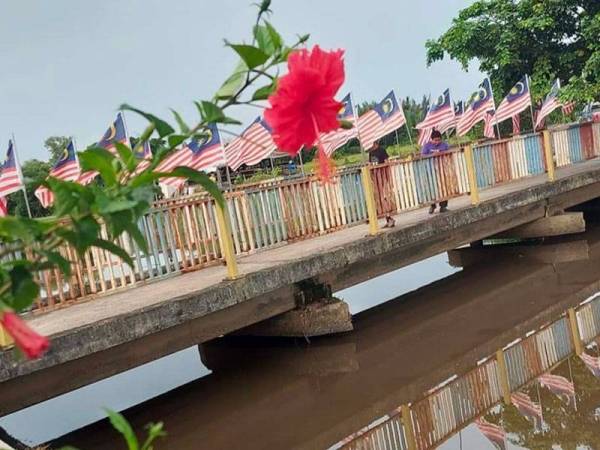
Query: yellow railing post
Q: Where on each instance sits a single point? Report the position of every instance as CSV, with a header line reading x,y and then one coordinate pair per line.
x,y
503,373
370,198
549,155
409,431
226,240
471,175
575,331
5,339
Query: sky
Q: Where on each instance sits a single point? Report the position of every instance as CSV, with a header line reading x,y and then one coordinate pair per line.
x,y
69,64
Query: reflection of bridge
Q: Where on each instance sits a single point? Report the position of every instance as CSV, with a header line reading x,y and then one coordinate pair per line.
x,y
339,385
131,327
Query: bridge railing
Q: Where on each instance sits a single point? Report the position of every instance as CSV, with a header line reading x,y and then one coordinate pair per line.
x,y
444,410
184,235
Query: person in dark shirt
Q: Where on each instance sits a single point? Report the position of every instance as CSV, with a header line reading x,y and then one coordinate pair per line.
x,y
436,145
379,155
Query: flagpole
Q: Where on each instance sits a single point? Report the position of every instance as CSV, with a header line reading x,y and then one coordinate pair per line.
x,y
407,124
228,174
531,104
573,383
355,113
494,100
18,164
301,162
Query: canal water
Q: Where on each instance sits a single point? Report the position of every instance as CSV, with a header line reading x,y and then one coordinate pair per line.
x,y
425,347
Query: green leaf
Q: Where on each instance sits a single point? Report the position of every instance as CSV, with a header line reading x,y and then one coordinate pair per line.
x,y
267,38
185,129
176,139
101,160
251,55
232,85
115,205
209,111
155,430
24,290
120,424
114,249
137,236
162,127
56,259
198,177
346,124
126,155
264,92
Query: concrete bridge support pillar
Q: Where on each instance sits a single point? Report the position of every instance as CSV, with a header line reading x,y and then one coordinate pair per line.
x,y
318,313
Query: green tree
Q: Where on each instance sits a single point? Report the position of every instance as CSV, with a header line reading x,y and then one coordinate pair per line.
x,y
34,172
56,146
543,38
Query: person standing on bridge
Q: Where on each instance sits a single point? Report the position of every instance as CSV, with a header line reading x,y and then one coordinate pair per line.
x,y
379,155
436,145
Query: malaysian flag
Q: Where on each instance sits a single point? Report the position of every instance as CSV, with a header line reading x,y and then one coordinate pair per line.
x,y
488,129
494,433
11,179
424,136
145,155
439,112
516,124
550,104
568,108
335,139
517,101
205,153
3,207
385,117
479,104
592,363
528,408
66,169
559,386
459,110
116,133
252,146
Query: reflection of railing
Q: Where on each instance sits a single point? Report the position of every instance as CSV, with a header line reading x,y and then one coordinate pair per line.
x,y
428,422
184,234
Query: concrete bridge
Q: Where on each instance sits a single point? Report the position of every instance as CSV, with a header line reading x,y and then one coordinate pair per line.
x,y
176,296
394,351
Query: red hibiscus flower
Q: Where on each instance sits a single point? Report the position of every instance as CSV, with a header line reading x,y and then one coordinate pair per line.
x,y
31,343
303,106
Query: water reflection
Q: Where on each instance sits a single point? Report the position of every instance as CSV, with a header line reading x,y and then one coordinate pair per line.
x,y
352,390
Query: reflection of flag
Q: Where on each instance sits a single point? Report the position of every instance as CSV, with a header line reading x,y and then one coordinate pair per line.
x,y
440,112
385,117
66,169
559,386
517,101
568,108
488,129
10,175
592,363
528,408
494,433
550,104
516,123
252,146
335,139
3,207
479,104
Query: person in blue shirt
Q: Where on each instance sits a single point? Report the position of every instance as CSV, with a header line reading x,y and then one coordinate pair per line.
x,y
436,145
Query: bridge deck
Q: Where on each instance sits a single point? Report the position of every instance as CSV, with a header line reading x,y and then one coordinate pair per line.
x,y
171,314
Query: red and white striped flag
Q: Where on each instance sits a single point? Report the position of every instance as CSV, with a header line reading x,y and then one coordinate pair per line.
x,y
592,363
550,104
528,408
568,108
3,207
459,110
559,386
385,117
424,136
252,146
11,179
488,129
480,103
66,169
494,433
335,139
517,101
440,113
516,124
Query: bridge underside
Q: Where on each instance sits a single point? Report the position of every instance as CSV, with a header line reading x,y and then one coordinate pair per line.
x,y
105,336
